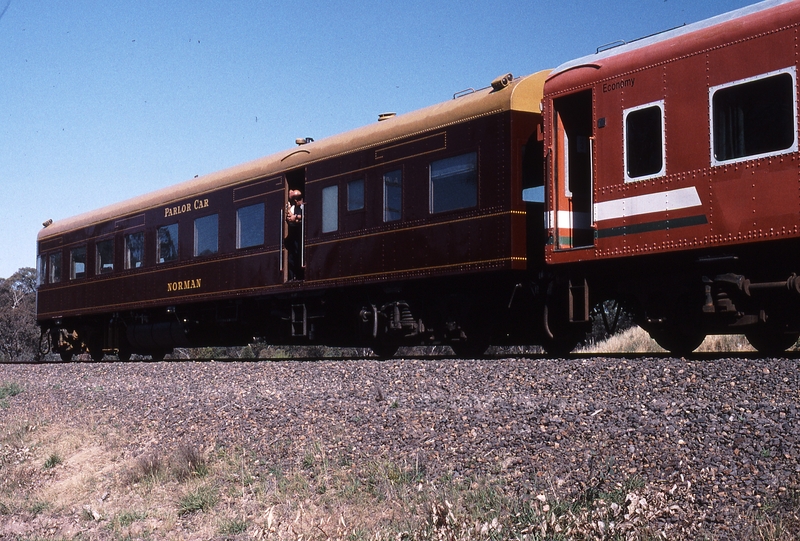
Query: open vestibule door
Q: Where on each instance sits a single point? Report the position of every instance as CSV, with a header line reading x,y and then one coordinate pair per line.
x,y
293,261
573,171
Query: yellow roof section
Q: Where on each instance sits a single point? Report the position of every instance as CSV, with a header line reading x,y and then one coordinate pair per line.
x,y
521,94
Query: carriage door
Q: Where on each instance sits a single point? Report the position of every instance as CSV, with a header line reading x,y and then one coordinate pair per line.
x,y
293,253
573,149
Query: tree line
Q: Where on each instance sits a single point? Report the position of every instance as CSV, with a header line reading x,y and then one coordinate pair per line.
x,y
19,334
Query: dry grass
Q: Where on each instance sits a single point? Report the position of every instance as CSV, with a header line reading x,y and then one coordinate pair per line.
x,y
725,343
189,461
636,340
222,493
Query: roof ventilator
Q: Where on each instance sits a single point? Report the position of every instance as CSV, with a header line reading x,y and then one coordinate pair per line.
x,y
386,116
303,140
501,82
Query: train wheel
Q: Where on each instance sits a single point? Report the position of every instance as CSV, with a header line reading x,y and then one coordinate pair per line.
x,y
66,356
678,341
97,355
771,341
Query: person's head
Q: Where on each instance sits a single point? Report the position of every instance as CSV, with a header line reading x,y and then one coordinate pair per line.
x,y
295,195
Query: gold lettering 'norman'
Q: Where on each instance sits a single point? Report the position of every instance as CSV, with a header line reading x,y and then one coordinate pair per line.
x,y
183,285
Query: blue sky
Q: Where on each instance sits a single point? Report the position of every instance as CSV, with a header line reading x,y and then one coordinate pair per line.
x,y
102,101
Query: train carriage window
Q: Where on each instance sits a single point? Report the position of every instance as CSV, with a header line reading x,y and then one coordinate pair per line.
x,y
330,209
77,263
250,226
104,256
754,117
392,196
54,268
167,243
206,235
454,183
355,195
134,250
41,271
644,141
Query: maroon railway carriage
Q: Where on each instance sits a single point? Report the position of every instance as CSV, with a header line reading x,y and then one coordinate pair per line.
x,y
673,180
415,232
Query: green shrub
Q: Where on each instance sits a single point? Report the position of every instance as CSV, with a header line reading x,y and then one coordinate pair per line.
x,y
201,499
39,506
232,526
52,461
9,389
127,518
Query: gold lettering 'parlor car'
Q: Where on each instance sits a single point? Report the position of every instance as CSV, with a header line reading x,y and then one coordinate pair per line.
x,y
186,207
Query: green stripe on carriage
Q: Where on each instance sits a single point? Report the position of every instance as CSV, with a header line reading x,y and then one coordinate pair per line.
x,y
660,225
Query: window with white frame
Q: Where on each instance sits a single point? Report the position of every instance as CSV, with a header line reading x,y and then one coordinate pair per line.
x,y
754,117
645,155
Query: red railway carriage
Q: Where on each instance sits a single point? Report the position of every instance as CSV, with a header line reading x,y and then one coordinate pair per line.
x,y
673,178
414,231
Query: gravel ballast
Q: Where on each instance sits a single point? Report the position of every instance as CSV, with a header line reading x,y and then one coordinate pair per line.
x,y
721,436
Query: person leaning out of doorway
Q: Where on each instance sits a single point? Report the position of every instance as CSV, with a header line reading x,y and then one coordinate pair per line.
x,y
294,238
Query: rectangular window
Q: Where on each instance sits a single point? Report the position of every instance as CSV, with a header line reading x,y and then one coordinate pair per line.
x,y
392,196
355,195
41,262
754,118
77,263
250,226
330,209
454,183
644,141
54,268
134,250
104,256
206,235
167,243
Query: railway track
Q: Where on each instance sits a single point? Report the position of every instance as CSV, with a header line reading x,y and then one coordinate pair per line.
x,y
700,356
